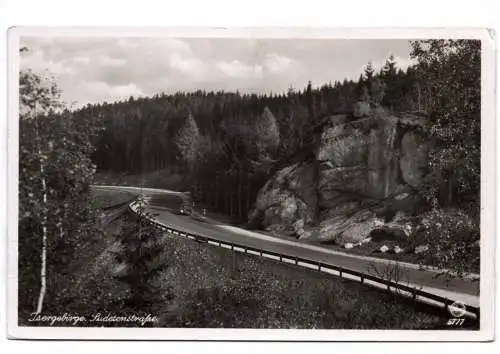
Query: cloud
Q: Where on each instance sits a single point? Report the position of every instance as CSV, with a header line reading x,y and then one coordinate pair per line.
x,y
123,91
238,69
98,91
275,63
81,60
109,69
190,66
107,61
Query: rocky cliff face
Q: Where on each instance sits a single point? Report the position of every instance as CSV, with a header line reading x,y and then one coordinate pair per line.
x,y
287,203
362,169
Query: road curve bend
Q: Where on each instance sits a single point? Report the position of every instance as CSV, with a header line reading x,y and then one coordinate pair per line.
x,y
465,291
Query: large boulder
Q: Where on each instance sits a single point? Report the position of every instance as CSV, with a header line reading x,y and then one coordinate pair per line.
x,y
342,229
288,201
354,227
359,185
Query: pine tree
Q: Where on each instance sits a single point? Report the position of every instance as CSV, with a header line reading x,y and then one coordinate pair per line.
x,y
392,86
310,102
142,260
369,73
377,91
365,95
389,69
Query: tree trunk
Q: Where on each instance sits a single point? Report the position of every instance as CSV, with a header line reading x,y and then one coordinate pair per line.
x,y
240,194
430,105
418,101
226,196
248,194
231,202
43,256
216,206
450,192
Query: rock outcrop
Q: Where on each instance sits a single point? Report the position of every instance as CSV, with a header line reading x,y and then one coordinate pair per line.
x,y
361,157
287,203
413,159
362,168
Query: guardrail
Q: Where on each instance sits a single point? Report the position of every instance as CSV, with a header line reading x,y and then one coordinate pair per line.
x,y
387,284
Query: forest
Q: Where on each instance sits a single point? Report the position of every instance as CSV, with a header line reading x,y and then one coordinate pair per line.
x,y
237,140
226,145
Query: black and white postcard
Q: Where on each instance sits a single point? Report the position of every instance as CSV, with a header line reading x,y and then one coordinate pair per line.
x,y
251,184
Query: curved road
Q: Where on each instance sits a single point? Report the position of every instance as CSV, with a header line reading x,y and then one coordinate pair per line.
x,y
162,202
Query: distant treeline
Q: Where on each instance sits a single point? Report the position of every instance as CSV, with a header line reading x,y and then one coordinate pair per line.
x,y
140,133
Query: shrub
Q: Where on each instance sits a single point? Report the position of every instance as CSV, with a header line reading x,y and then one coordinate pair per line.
x,y
453,239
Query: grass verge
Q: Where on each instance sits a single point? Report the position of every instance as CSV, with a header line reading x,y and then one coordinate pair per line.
x,y
215,287
105,199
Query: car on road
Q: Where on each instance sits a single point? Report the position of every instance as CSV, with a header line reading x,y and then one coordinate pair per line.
x,y
184,209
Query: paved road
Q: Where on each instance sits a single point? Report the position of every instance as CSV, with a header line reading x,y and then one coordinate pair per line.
x,y
162,202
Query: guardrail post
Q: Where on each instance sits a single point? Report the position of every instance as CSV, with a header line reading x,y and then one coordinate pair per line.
x,y
296,261
319,267
281,258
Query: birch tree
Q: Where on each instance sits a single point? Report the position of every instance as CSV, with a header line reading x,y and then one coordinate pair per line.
x,y
55,171
38,97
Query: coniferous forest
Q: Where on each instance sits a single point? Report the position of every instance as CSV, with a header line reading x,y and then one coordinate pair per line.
x,y
238,140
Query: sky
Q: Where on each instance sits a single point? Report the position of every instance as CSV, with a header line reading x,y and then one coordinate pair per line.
x,y
91,70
